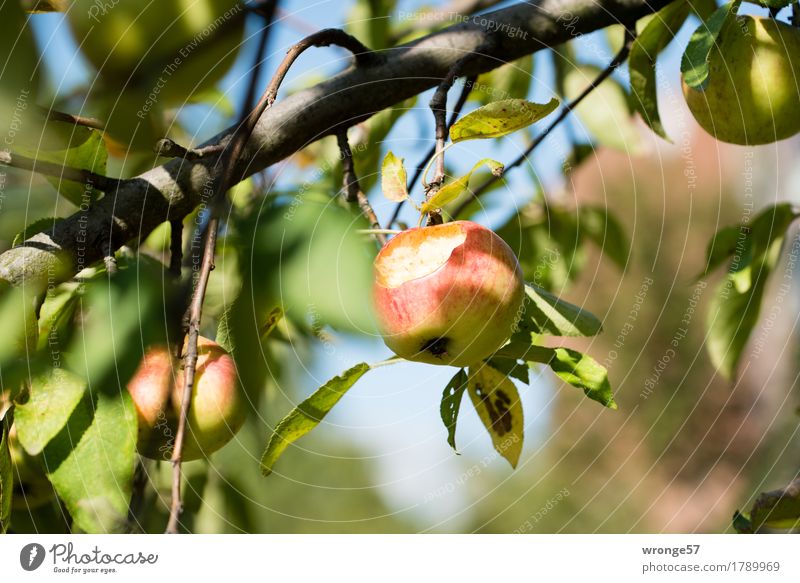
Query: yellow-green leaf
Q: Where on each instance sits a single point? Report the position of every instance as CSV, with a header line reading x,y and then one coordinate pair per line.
x,y
499,118
498,405
449,192
308,414
394,180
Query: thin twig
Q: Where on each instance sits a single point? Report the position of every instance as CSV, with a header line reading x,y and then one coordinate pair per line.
x,y
352,189
175,247
619,58
104,183
469,83
168,148
78,120
438,105
326,37
224,172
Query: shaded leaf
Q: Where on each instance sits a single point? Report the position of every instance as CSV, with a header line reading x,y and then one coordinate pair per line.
x,y
53,397
694,64
511,368
451,402
394,181
499,407
308,414
500,118
722,245
642,61
512,80
741,523
547,314
605,112
449,192
39,226
6,476
91,462
604,230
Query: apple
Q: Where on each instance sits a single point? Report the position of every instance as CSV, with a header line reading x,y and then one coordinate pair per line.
x,y
216,413
168,49
447,294
752,96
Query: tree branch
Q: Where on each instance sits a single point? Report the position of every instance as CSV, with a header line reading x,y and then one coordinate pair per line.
x,y
352,189
80,175
174,189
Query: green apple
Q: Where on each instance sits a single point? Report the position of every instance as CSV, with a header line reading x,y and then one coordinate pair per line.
x,y
167,49
753,92
217,410
447,294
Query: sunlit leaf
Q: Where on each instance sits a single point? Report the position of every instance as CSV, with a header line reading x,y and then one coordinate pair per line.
x,y
735,307
549,315
91,462
393,178
778,508
499,407
308,414
500,118
451,402
642,61
53,397
571,366
449,192
694,65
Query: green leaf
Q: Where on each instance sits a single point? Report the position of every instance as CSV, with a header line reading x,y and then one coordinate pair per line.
x,y
91,462
56,319
308,414
499,407
605,112
547,314
53,397
6,476
722,245
571,366
449,192
735,307
18,317
38,226
778,508
511,367
694,64
500,118
605,231
451,402
120,316
642,61
394,181
773,3
512,80
582,371
19,73
741,523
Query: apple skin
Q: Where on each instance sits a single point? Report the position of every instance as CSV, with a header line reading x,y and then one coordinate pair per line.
x,y
217,411
137,44
447,294
752,96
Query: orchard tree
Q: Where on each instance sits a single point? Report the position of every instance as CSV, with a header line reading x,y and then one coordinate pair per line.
x,y
109,310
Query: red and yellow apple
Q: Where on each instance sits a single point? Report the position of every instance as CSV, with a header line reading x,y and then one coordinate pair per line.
x,y
217,409
447,294
753,92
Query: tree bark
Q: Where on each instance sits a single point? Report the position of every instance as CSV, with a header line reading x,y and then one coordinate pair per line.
x,y
173,190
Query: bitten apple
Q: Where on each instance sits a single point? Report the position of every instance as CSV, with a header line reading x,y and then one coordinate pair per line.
x,y
217,409
752,96
447,294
